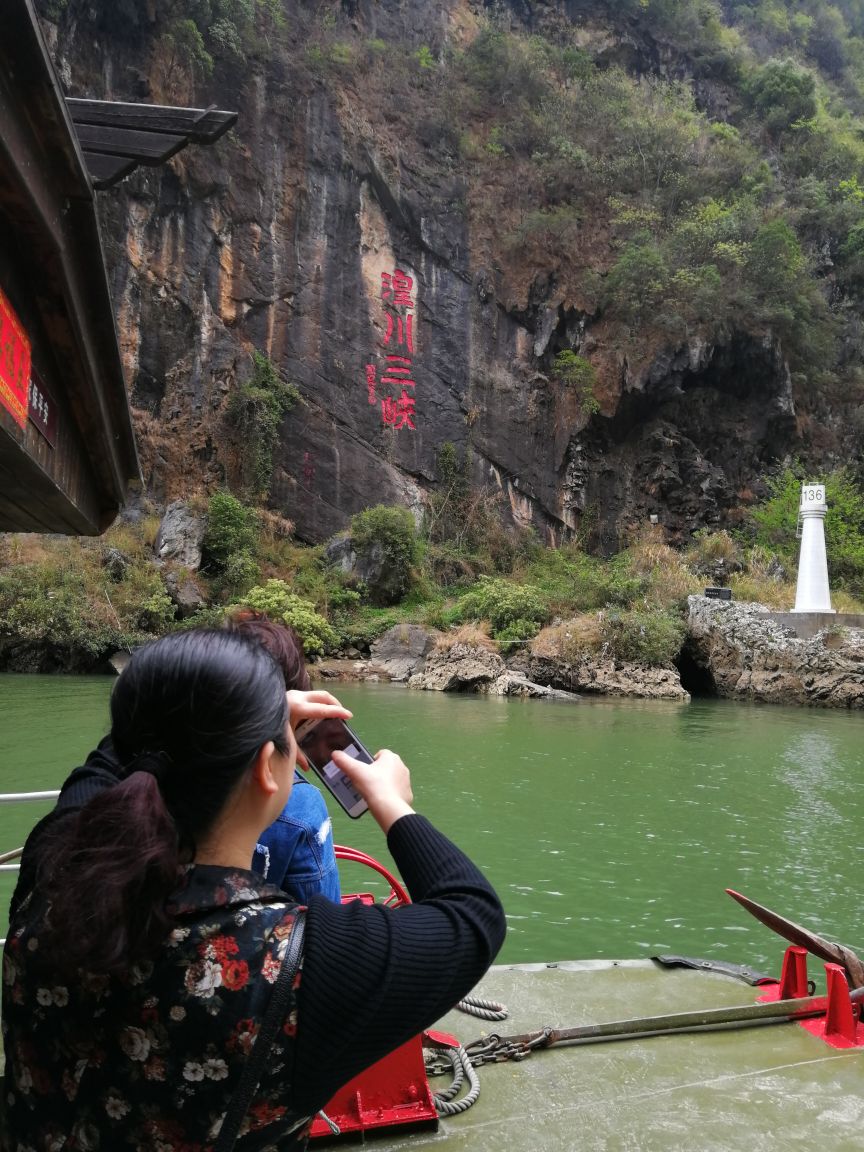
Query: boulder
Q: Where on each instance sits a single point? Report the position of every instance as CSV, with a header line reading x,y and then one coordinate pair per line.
x,y
607,677
511,683
185,594
460,668
346,670
181,535
402,650
119,660
596,674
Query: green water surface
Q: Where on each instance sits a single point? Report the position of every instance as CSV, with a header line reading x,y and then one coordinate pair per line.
x,y
609,828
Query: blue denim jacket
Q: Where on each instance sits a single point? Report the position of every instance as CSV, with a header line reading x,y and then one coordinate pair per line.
x,y
296,852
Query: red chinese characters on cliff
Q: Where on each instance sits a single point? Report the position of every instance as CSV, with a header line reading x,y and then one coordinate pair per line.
x,y
398,406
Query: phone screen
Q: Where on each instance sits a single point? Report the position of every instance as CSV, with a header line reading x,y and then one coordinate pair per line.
x,y
318,740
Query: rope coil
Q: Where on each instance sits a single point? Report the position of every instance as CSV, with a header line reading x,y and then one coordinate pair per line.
x,y
485,1009
458,1062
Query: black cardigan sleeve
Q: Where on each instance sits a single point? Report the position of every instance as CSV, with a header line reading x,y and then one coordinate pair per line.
x,y
100,770
373,976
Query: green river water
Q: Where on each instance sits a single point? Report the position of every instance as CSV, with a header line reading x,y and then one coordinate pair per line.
x,y
609,828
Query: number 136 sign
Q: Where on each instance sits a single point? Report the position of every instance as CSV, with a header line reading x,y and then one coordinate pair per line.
x,y
812,494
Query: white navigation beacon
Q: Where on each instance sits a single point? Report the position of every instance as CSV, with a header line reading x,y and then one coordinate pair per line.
x,y
811,593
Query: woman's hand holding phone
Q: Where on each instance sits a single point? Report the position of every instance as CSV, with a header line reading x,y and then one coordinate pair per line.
x,y
317,705
385,785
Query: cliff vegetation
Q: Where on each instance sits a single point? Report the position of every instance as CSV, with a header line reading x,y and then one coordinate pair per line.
x,y
68,604
634,232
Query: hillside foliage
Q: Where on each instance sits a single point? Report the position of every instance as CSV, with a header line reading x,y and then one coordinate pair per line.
x,y
679,170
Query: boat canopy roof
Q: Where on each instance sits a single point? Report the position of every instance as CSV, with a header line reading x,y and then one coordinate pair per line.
x,y
67,451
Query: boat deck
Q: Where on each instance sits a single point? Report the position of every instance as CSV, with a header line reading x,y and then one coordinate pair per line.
x,y
756,1088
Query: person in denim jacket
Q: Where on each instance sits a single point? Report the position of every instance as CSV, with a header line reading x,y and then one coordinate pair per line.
x,y
296,852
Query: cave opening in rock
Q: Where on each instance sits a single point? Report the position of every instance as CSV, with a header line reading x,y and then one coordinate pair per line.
x,y
696,677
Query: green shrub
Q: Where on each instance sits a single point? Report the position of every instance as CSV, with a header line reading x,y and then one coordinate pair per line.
x,y
437,615
343,599
394,532
579,374
504,604
280,603
212,616
255,411
362,629
569,579
517,633
240,572
783,93
51,604
652,637
637,280
232,527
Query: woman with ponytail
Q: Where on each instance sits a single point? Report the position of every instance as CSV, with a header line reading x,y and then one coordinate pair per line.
x,y
140,966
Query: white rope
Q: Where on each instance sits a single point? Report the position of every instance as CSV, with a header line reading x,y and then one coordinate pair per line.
x,y
485,1009
445,1105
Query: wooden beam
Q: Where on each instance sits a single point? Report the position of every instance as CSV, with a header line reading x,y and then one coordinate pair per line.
x,y
143,147
199,125
106,171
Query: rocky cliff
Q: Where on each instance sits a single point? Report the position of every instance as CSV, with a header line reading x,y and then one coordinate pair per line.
x,y
349,232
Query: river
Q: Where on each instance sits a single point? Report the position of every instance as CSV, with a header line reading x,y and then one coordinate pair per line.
x,y
610,828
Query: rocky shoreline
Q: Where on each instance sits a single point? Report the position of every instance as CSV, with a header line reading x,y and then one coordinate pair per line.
x,y
735,651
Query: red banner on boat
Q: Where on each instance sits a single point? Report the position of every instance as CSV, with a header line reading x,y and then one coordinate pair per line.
x,y
14,363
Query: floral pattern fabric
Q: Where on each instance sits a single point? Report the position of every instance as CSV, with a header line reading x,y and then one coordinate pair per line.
x,y
149,1062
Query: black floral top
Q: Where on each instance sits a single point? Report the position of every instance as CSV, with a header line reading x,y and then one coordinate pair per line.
x,y
150,1061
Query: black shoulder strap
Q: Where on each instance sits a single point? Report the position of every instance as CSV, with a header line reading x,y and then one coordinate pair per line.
x,y
274,1017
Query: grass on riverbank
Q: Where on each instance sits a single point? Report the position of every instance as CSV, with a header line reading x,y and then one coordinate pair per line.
x,y
85,597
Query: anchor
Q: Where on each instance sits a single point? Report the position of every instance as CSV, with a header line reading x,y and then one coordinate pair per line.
x,y
851,963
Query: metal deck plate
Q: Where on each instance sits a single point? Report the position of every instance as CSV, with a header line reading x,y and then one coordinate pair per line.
x,y
757,1088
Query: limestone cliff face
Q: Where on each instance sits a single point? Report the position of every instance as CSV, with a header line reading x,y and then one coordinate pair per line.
x,y
288,237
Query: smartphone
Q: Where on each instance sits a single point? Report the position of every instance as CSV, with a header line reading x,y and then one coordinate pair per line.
x,y
318,740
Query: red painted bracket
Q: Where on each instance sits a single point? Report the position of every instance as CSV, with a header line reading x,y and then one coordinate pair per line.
x,y
793,978
441,1039
392,1093
840,1026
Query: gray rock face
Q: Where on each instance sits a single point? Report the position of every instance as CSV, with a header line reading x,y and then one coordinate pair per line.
x,y
278,239
340,553
185,593
751,656
462,668
180,537
466,667
596,675
119,660
402,650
